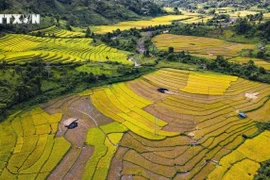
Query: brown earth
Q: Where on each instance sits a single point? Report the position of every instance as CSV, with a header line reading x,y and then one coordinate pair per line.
x,y
72,166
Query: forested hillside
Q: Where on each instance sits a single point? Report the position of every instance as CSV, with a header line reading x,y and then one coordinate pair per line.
x,y
215,3
84,12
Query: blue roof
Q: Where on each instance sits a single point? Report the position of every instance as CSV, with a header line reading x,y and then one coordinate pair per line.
x,y
243,115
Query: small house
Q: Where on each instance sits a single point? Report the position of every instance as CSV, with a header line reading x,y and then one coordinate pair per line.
x,y
71,123
242,115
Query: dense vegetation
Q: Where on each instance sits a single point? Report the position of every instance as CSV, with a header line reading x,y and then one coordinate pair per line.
x,y
264,171
79,13
39,82
193,4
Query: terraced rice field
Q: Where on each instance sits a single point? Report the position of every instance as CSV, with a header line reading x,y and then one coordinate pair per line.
x,y
266,16
163,20
200,46
18,48
28,146
243,13
243,162
258,62
53,30
132,131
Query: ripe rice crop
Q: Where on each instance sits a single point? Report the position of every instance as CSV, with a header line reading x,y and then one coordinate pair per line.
x,y
18,48
199,45
134,117
244,160
33,145
53,30
258,62
181,135
60,148
208,83
163,20
245,169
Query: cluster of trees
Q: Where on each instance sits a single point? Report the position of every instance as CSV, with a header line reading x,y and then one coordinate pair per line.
x,y
264,171
195,29
248,71
27,83
219,18
243,26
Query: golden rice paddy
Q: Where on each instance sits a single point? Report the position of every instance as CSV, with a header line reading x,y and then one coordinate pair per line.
x,y
18,48
258,62
132,129
163,20
199,45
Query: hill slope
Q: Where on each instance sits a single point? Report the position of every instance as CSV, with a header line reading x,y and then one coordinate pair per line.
x,y
84,12
220,3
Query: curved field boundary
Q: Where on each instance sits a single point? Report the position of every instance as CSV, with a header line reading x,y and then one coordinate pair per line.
x,y
18,48
34,152
243,162
124,106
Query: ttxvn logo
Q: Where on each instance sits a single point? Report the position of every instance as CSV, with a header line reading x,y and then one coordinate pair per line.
x,y
19,19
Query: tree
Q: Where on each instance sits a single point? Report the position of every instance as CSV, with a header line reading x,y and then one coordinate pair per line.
x,y
242,26
88,33
68,26
260,18
176,10
171,49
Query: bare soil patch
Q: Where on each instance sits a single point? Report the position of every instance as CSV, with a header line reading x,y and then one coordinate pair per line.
x,y
73,164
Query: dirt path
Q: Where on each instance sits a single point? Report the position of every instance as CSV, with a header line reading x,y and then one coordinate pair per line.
x,y
72,166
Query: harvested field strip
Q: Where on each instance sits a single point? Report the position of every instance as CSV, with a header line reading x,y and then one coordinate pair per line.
x,y
147,91
162,111
162,83
198,98
130,168
192,112
135,158
169,78
175,102
173,77
168,142
223,112
196,104
220,127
